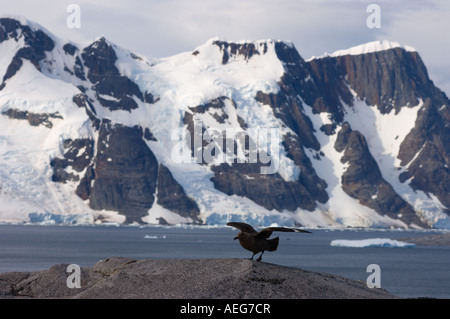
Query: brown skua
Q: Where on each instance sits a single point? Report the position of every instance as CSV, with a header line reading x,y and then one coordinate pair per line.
x,y
259,242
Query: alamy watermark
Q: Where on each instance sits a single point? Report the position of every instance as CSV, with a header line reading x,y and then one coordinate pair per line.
x,y
74,279
374,19
208,145
374,280
73,21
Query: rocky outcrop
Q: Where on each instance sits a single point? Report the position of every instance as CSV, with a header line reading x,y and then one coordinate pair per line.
x,y
126,278
272,191
396,78
173,197
294,87
362,179
125,172
37,42
78,155
231,50
426,151
124,175
113,90
34,119
390,80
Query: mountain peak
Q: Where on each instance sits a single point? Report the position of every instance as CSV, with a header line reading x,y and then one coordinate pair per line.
x,y
10,23
243,49
373,46
369,47
17,19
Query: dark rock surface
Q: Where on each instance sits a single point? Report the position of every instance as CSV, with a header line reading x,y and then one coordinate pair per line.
x,y
426,151
37,42
390,80
78,154
125,172
100,58
124,175
34,119
244,179
119,277
173,197
270,191
363,180
230,50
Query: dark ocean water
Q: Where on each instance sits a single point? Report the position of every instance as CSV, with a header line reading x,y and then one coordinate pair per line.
x,y
406,272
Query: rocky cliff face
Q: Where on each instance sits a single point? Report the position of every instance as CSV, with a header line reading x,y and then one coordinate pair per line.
x,y
232,130
363,180
392,80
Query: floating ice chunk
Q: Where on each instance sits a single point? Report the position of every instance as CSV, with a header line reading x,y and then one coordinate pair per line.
x,y
154,237
371,242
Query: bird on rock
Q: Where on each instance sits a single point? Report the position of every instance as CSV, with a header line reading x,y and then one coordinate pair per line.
x,y
258,242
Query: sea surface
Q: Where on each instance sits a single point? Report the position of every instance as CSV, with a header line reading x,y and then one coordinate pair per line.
x,y
406,272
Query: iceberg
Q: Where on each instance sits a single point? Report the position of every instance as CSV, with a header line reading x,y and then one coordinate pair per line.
x,y
155,237
371,242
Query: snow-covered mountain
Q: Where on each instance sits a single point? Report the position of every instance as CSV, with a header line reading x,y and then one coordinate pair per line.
x,y
94,133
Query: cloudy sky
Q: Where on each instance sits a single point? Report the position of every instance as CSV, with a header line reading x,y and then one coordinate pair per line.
x,y
157,28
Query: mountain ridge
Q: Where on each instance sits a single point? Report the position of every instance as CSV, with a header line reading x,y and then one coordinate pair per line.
x,y
111,143
369,47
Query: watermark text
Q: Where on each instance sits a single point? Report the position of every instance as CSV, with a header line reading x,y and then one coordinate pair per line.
x,y
208,145
74,279
374,280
